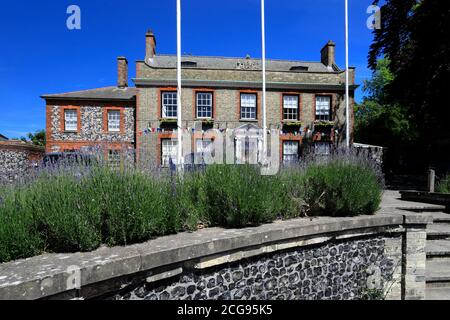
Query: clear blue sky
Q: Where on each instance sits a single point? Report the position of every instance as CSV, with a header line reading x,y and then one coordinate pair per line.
x,y
40,55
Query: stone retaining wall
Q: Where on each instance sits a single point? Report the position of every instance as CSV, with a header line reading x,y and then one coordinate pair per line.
x,y
16,158
381,256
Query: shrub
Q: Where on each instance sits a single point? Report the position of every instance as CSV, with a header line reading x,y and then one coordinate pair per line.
x,y
78,208
292,193
18,234
341,188
444,185
134,206
238,196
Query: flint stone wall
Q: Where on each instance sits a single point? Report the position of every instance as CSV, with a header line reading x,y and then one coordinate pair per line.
x,y
17,158
340,270
381,256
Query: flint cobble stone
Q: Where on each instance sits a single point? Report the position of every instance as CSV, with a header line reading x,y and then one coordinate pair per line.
x,y
337,271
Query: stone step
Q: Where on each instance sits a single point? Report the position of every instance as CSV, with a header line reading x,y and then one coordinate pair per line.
x,y
438,248
438,271
438,293
437,231
440,217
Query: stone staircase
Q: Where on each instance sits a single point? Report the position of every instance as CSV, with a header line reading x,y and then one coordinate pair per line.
x,y
438,257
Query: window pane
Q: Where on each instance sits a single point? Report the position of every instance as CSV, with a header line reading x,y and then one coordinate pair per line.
x,y
323,108
71,120
169,105
248,106
290,152
169,152
290,107
204,105
114,121
322,148
114,158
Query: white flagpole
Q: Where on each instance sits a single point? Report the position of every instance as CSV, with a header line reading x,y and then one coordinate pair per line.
x,y
263,29
179,115
347,94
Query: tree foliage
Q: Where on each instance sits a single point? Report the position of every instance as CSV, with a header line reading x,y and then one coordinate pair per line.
x,y
378,121
414,37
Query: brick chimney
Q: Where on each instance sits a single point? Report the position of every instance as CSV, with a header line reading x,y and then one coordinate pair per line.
x,y
122,72
150,45
328,54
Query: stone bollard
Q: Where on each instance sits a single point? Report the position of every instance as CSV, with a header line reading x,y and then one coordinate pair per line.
x,y
431,180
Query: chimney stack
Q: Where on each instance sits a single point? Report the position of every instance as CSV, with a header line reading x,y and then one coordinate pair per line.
x,y
328,54
122,74
150,45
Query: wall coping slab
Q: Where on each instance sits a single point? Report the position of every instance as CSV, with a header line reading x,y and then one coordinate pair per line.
x,y
52,274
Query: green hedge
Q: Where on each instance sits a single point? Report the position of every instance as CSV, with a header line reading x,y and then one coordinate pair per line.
x,y
73,210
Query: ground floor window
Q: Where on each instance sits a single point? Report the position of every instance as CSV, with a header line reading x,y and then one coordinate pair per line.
x,y
204,146
290,152
169,150
114,158
322,148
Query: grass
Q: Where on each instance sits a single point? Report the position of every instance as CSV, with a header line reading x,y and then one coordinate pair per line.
x,y
444,185
78,209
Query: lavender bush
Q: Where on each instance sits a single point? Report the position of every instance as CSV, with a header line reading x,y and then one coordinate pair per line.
x,y
80,205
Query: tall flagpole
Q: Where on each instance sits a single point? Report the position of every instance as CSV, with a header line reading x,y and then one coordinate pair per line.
x,y
263,29
347,94
179,115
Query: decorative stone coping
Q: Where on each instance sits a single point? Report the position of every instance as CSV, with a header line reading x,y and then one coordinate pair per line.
x,y
50,274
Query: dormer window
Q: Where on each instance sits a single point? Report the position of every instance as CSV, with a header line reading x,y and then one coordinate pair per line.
x,y
299,68
188,64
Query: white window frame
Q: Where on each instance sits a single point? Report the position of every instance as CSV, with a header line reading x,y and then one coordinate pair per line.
x,y
291,151
291,106
323,108
70,120
249,106
169,106
169,150
114,119
204,105
204,146
114,157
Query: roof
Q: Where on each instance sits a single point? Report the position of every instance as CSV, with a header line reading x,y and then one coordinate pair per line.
x,y
247,63
107,93
3,138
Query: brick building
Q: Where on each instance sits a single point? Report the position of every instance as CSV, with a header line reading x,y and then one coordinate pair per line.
x,y
305,100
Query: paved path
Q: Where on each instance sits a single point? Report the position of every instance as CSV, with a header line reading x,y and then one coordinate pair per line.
x,y
438,242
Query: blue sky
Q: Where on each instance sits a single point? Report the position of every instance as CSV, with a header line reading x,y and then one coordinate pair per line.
x,y
40,55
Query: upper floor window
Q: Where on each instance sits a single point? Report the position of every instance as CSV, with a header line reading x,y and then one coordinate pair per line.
x,y
323,108
70,120
169,151
204,105
290,107
114,121
290,152
169,105
248,106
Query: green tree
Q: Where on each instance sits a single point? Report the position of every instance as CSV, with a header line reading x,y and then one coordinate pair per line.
x,y
377,121
414,37
38,138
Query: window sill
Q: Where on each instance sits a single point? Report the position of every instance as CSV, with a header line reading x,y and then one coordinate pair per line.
x,y
249,120
70,131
